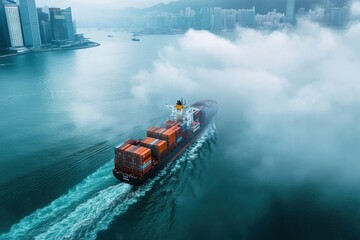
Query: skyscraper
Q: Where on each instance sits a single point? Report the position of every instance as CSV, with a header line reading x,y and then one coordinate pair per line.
x,y
205,18
290,11
62,27
229,18
217,18
44,25
30,23
339,16
14,24
4,31
246,17
69,23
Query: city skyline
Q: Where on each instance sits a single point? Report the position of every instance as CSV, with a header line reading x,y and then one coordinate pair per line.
x,y
97,3
91,9
26,27
94,11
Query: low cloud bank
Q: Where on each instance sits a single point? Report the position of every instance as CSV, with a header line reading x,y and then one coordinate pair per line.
x,y
298,91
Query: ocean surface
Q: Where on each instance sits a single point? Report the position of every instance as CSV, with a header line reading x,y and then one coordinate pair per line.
x,y
61,114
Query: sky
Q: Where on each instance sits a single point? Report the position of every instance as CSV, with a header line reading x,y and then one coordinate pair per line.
x,y
297,90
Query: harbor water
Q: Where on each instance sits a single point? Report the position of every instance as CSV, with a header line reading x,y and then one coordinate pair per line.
x,y
62,113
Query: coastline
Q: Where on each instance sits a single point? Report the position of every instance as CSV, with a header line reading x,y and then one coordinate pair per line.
x,y
88,45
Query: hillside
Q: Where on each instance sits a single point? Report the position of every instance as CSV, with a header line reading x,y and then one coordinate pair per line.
x,y
261,5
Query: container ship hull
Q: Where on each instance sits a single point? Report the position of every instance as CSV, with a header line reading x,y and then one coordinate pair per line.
x,y
205,110
173,155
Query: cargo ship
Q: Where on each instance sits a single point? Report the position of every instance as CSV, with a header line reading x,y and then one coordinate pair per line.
x,y
138,160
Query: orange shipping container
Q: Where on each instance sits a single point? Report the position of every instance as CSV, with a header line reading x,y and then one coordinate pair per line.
x,y
154,144
162,145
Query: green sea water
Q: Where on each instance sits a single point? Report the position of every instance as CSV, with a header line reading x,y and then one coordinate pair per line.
x,y
61,114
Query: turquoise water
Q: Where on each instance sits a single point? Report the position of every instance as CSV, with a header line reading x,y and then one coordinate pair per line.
x,y
63,112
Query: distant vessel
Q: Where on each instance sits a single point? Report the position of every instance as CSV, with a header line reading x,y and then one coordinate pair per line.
x,y
137,160
110,35
135,39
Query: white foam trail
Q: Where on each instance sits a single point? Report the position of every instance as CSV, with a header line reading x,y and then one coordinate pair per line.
x,y
40,219
85,210
86,214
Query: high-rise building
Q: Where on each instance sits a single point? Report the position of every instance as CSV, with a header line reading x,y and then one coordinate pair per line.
x,y
327,7
217,18
246,17
339,16
4,31
14,24
30,23
69,23
271,20
62,27
57,22
290,11
205,18
44,25
74,26
229,18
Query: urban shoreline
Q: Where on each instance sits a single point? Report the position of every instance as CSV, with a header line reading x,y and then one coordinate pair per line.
x,y
92,45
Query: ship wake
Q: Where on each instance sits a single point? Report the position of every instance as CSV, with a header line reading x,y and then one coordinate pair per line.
x,y
93,204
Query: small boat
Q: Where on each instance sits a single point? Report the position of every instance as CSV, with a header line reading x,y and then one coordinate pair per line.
x,y
110,35
135,39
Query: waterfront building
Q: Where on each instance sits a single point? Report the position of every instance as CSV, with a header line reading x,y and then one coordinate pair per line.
x,y
30,23
57,24
339,16
69,23
271,20
62,26
327,6
317,15
189,12
205,18
229,18
217,18
246,17
44,25
4,31
14,24
74,27
290,11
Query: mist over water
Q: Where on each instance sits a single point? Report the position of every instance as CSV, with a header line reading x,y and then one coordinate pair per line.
x,y
281,163
296,91
288,111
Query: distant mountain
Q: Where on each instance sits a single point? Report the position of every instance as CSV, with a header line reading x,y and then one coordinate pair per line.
x,y
262,6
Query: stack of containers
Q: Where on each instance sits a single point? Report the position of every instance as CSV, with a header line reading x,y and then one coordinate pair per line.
x,y
119,163
170,123
167,135
135,160
155,132
178,133
158,147
170,137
